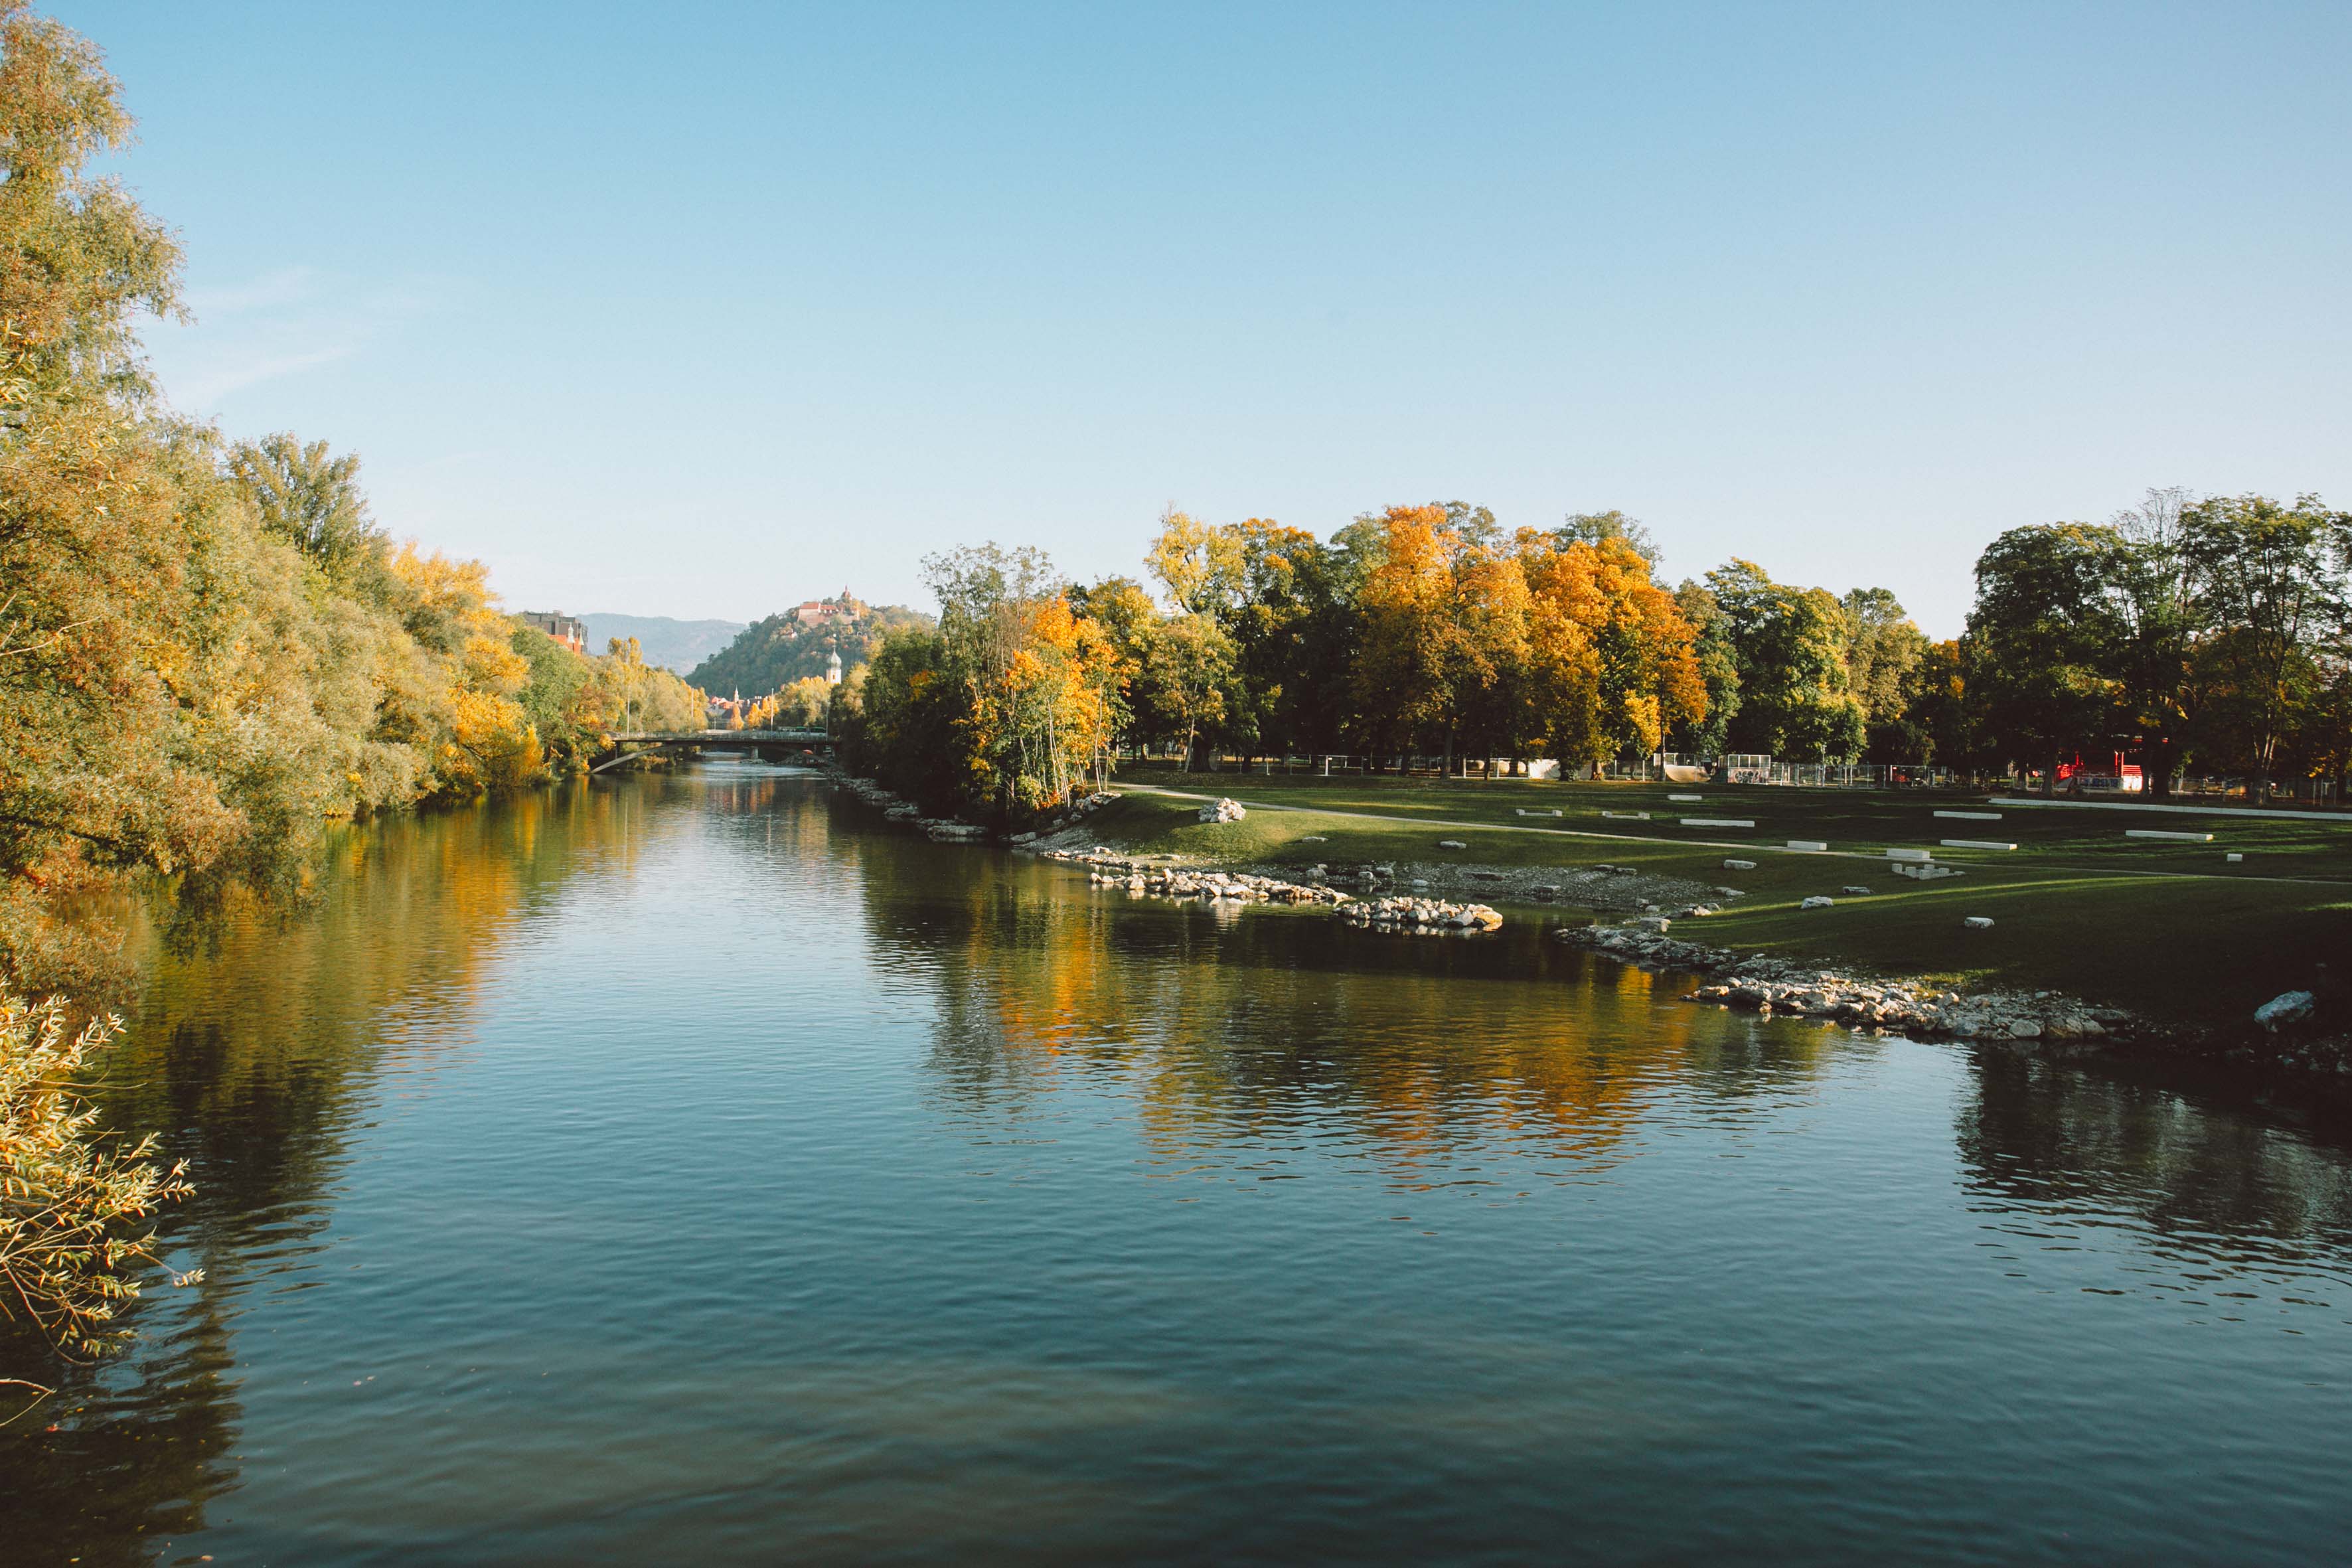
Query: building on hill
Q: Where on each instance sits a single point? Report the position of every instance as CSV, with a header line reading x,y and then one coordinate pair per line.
x,y
792,644
565,629
823,612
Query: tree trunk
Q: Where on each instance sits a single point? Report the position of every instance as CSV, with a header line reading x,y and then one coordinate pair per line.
x,y
2050,778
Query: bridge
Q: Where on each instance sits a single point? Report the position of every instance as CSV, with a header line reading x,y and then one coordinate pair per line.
x,y
620,748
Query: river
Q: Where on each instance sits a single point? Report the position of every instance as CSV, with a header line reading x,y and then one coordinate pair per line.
x,y
695,1169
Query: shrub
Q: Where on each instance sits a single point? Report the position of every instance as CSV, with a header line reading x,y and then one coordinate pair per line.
x,y
73,1199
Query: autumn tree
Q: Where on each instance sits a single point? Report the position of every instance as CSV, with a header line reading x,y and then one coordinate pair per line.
x,y
1403,696
1031,681
1613,661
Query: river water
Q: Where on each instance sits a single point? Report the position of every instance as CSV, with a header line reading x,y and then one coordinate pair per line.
x,y
694,1169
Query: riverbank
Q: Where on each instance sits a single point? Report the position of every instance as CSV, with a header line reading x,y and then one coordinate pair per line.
x,y
2159,939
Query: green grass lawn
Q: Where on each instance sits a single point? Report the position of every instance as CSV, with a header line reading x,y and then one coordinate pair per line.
x,y
2162,926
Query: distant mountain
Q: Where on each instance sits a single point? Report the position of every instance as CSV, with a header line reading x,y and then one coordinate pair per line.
x,y
770,655
673,645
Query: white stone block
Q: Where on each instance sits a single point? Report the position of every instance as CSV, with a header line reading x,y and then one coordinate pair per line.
x,y
1812,844
1976,844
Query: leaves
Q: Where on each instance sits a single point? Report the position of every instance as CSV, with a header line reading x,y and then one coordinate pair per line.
x,y
73,1202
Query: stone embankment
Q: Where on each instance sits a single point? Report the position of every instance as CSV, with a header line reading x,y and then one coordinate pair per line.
x,y
1108,869
1422,915
1618,889
1772,986
1153,877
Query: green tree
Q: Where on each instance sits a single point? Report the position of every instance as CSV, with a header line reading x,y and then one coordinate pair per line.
x,y
1883,649
2274,578
314,501
1599,527
2040,641
2160,613
1789,645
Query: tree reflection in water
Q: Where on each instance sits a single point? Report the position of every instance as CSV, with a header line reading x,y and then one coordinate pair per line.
x,y
1246,1031
256,1056
1230,1038
2063,1156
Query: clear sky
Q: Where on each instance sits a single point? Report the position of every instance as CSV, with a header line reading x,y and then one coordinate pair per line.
x,y
702,309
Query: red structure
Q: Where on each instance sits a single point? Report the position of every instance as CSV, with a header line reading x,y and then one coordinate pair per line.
x,y
2118,777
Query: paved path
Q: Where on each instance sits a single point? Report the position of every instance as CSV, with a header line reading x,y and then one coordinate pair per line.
x,y
2028,869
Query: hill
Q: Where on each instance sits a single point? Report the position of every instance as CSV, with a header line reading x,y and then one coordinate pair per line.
x,y
770,655
671,644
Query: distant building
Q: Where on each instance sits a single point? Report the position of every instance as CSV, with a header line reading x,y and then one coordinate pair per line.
x,y
823,612
565,629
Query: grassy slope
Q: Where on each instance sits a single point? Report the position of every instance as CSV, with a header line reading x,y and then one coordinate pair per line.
x,y
2074,907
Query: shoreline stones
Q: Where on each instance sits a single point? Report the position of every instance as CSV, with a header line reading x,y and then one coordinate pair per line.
x,y
1107,869
1770,985
1422,916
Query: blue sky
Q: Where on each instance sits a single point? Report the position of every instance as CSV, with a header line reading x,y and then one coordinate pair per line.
x,y
701,310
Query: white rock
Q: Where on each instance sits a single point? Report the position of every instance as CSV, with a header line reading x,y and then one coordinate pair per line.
x,y
2287,1007
1855,892
1452,844
1979,923
1223,811
1740,864
1818,902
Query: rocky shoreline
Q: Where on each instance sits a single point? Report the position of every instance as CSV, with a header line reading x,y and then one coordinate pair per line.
x,y
1770,985
2048,1019
1423,916
1161,879
2294,1042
